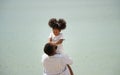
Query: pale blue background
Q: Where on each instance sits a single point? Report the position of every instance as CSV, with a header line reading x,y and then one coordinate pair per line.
x,y
92,35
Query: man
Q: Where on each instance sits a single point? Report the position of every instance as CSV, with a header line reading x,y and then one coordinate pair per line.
x,y
55,63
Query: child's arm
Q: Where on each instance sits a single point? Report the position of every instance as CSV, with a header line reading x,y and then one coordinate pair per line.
x,y
50,40
59,42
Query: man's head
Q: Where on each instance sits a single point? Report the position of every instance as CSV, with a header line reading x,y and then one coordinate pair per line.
x,y
50,49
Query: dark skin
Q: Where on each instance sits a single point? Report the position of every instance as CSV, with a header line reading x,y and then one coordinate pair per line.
x,y
57,43
70,69
56,33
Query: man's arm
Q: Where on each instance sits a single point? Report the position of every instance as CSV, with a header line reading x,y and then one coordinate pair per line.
x,y
70,69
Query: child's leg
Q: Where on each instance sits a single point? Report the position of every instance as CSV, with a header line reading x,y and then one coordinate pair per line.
x,y
70,69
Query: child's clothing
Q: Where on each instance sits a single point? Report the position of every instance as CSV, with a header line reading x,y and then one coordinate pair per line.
x,y
56,64
55,39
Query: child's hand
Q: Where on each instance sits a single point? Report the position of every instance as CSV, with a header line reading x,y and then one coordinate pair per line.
x,y
53,43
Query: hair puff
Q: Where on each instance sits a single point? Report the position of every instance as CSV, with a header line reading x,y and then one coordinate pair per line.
x,y
62,23
59,24
52,22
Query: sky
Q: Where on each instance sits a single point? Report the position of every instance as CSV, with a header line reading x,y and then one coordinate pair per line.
x,y
92,36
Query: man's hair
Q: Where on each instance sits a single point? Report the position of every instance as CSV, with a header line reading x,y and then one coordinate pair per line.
x,y
49,49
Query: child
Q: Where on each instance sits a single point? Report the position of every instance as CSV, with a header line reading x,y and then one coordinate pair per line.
x,y
56,37
55,63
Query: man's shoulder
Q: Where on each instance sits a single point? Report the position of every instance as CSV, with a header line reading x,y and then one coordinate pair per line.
x,y
44,56
60,55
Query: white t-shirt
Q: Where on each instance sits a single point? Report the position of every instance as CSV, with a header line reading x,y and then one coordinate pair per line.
x,y
55,39
56,64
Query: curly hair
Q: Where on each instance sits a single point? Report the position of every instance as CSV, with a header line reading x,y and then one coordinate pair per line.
x,y
58,24
49,49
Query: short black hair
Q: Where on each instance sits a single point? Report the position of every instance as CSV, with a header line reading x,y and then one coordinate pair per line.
x,y
49,49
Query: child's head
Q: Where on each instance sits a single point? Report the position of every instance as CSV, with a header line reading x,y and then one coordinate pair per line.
x,y
57,25
50,49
